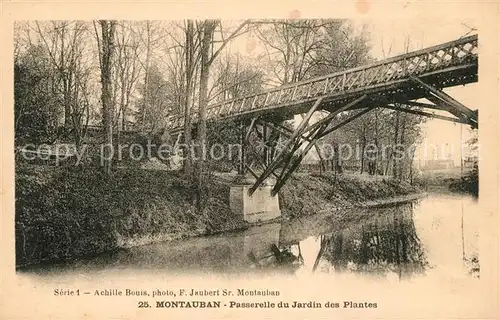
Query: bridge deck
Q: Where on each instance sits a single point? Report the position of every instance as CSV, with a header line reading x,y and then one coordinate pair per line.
x,y
445,65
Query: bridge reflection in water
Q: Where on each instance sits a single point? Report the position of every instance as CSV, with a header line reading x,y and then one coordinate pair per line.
x,y
385,244
396,242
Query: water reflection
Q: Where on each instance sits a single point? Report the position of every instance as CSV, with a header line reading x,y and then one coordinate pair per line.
x,y
402,241
386,243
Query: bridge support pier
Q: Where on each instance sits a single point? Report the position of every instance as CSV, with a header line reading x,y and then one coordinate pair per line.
x,y
260,206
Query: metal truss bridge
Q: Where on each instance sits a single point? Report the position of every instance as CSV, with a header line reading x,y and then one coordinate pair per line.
x,y
395,83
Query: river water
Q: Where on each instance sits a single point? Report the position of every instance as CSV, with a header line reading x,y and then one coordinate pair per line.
x,y
434,235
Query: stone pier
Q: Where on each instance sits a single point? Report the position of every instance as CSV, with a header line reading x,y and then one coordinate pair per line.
x,y
260,206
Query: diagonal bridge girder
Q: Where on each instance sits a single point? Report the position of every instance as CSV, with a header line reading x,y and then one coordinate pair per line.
x,y
285,156
448,103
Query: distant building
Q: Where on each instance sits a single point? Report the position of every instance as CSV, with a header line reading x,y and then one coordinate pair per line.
x,y
438,164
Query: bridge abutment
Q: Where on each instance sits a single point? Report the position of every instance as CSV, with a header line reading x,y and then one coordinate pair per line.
x,y
260,206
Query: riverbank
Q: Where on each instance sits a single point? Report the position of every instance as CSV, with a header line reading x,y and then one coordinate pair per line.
x,y
65,213
449,181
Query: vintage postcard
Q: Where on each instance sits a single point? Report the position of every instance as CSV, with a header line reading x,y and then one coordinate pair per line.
x,y
257,160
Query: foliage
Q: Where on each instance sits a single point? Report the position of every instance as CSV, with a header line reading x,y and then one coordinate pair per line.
x,y
301,49
342,47
127,66
234,77
35,104
469,183
63,213
308,194
156,101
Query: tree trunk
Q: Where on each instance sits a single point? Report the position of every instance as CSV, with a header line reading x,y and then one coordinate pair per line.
x,y
387,164
396,134
67,107
107,29
362,157
208,30
402,142
67,114
377,146
146,77
410,175
188,162
337,159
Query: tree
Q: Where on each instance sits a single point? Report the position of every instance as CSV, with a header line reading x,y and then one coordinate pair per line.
x,y
127,66
158,103
298,50
190,71
180,68
35,105
341,47
234,77
64,43
207,36
150,37
206,31
290,47
105,44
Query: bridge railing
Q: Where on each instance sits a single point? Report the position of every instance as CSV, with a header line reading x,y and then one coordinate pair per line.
x,y
453,53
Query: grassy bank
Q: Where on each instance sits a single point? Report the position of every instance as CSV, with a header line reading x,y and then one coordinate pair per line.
x,y
307,194
65,213
454,180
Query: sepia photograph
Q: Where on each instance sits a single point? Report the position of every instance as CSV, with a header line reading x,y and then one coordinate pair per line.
x,y
302,150
341,149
